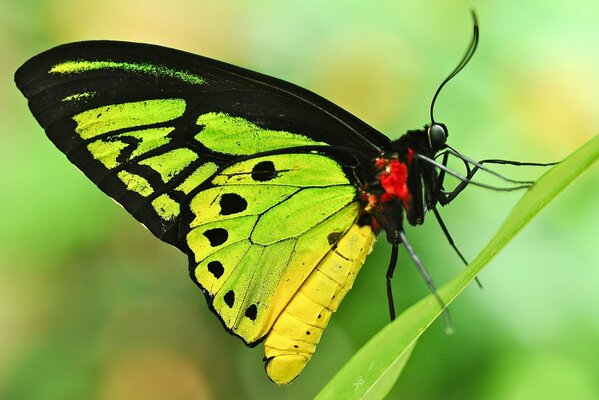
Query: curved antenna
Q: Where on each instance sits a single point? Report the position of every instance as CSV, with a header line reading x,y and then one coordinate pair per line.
x,y
467,56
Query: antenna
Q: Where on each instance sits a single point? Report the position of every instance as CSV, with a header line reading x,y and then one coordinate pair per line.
x,y
467,56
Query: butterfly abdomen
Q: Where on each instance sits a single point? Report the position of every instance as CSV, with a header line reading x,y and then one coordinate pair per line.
x,y
296,332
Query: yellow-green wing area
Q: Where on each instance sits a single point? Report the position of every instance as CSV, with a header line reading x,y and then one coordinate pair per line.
x,y
260,229
254,178
140,160
150,154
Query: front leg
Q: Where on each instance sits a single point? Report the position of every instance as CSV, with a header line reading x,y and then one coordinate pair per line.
x,y
448,197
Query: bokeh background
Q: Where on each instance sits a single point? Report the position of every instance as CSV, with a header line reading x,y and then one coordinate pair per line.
x,y
93,307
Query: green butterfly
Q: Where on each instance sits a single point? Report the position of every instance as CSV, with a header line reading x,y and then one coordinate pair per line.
x,y
274,193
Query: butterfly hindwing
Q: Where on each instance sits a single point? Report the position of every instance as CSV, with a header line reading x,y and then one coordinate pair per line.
x,y
260,228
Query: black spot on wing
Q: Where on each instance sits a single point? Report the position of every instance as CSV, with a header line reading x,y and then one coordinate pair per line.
x,y
334,237
216,268
251,312
230,298
232,203
264,171
216,236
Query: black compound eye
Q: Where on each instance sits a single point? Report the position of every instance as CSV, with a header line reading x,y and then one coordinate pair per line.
x,y
437,135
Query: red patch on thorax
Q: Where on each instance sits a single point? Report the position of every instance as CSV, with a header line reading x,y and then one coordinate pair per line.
x,y
393,180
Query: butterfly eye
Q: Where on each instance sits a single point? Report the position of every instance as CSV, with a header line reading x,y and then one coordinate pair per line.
x,y
437,135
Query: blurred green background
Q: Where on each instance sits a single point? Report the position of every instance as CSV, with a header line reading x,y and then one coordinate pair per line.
x,y
93,307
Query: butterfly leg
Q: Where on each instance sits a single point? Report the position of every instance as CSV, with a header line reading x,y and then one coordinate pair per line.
x,y
427,278
439,193
433,186
451,242
448,235
390,270
446,197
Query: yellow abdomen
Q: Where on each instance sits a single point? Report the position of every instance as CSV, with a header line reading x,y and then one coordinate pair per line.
x,y
296,332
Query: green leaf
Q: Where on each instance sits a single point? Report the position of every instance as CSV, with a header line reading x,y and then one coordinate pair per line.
x,y
373,370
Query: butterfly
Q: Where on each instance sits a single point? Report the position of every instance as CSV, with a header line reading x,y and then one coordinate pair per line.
x,y
275,194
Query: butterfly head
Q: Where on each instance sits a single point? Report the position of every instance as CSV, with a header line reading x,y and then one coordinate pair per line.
x,y
437,136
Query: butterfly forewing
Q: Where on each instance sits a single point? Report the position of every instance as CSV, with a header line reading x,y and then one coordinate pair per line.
x,y
148,124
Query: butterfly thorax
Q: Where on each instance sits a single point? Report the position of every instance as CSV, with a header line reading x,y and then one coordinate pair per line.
x,y
395,189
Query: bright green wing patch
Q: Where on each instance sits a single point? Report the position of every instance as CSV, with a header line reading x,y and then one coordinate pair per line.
x,y
79,66
100,120
238,136
202,173
258,233
293,169
118,137
167,208
170,163
237,201
79,96
107,151
301,213
136,183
